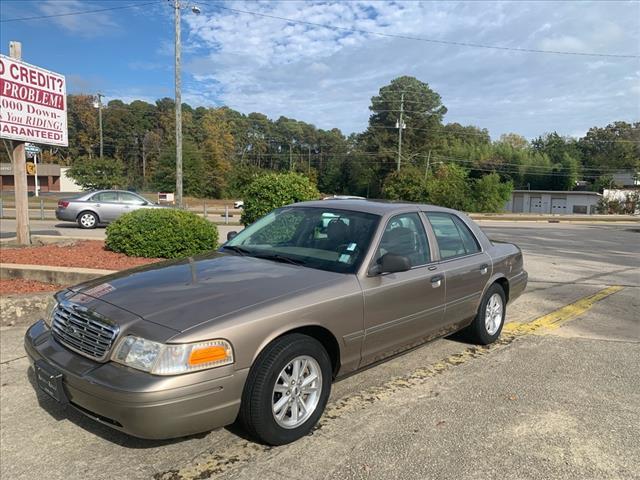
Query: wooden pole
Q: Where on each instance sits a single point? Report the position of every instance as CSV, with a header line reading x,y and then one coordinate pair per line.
x,y
23,235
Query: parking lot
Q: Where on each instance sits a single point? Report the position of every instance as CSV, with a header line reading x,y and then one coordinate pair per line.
x,y
556,399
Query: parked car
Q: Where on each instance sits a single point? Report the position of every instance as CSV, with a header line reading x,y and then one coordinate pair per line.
x,y
258,330
100,207
238,204
343,197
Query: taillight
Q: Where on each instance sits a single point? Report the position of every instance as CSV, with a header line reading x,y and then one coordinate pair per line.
x,y
63,204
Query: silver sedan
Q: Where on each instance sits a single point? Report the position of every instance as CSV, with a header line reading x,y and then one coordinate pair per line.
x,y
100,207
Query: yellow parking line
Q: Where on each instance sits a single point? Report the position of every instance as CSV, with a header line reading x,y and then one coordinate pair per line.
x,y
563,315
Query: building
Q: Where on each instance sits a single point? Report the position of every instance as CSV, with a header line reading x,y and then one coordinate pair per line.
x,y
51,178
553,202
626,179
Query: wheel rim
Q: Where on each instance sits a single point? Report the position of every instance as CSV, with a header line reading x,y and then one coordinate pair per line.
x,y
87,220
493,314
297,392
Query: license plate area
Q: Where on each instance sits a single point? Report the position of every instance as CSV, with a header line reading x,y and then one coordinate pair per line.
x,y
49,380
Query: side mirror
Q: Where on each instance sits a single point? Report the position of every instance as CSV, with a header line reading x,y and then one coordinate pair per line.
x,y
231,235
390,263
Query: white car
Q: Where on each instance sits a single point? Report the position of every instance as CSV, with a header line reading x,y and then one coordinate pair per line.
x,y
238,204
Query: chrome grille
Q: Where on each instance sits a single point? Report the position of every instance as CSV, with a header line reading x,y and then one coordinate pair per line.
x,y
83,332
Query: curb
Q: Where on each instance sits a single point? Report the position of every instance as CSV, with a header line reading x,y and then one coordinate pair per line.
x,y
49,274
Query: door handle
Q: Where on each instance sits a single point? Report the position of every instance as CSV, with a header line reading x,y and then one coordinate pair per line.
x,y
484,269
436,281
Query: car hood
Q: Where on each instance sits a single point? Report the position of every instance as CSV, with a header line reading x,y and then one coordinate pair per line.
x,y
185,293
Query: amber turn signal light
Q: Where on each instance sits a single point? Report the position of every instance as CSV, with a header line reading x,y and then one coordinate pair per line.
x,y
212,353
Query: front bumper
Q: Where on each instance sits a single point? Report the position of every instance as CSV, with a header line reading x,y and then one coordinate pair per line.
x,y
135,402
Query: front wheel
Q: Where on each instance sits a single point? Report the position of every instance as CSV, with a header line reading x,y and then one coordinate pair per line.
x,y
287,390
487,325
87,220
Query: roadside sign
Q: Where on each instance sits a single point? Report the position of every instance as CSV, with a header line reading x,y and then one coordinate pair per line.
x,y
31,168
31,148
33,103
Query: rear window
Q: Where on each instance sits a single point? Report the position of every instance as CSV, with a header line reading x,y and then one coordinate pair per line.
x,y
105,197
453,236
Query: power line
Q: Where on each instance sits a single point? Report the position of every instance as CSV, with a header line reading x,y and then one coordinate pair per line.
x,y
83,12
453,134
429,40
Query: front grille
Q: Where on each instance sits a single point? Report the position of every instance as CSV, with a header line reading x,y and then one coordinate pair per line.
x,y
83,332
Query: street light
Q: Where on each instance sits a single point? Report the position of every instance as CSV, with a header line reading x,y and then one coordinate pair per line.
x,y
178,101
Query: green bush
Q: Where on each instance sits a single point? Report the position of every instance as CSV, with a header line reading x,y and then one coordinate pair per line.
x,y
271,191
161,233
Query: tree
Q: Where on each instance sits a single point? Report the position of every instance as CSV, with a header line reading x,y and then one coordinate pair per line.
x,y
616,146
271,191
422,114
217,151
409,185
489,194
97,174
450,187
514,141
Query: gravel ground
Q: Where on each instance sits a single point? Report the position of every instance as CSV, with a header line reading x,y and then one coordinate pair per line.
x,y
83,254
13,286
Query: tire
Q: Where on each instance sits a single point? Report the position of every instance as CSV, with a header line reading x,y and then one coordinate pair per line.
x,y
87,220
485,328
260,397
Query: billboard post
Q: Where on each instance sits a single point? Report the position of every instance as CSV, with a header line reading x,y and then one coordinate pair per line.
x,y
23,234
33,109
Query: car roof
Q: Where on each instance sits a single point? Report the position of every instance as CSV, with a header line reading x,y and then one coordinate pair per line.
x,y
376,207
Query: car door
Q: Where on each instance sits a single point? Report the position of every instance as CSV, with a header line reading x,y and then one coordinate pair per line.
x,y
401,309
130,202
465,266
106,205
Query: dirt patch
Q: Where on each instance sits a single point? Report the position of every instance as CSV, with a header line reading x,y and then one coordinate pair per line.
x,y
18,286
83,254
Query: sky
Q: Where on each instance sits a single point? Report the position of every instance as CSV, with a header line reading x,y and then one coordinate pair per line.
x,y
327,76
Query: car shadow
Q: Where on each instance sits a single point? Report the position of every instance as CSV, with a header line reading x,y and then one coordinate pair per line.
x,y
67,412
74,225
461,336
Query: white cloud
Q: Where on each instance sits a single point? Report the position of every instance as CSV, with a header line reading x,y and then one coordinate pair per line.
x,y
327,76
95,25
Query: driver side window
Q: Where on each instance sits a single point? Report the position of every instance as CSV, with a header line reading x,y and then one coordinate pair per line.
x,y
405,236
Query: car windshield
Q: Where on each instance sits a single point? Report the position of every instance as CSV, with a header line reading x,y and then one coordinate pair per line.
x,y
322,238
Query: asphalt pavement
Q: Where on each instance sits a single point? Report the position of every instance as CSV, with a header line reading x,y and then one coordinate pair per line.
x,y
559,402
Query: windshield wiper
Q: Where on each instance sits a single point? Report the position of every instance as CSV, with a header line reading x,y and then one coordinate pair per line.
x,y
279,258
238,250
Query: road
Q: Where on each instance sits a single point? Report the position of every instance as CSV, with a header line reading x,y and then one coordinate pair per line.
x,y
544,402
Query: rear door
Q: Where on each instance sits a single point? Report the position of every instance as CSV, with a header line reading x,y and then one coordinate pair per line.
x,y
401,309
466,267
106,205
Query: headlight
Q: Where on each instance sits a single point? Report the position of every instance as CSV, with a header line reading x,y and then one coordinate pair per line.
x,y
167,359
52,304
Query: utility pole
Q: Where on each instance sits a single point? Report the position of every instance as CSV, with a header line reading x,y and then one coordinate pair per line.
x,y
23,235
144,162
178,102
400,126
290,157
309,159
426,170
99,105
